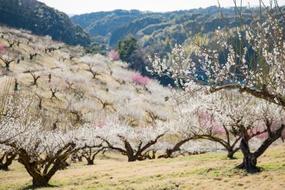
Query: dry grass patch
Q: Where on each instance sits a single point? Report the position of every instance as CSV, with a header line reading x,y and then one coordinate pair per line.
x,y
207,171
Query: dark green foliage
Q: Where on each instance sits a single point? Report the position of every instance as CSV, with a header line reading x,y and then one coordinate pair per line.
x,y
42,20
127,48
133,54
95,48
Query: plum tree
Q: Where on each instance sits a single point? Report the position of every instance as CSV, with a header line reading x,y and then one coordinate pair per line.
x,y
130,141
43,153
35,78
263,78
91,146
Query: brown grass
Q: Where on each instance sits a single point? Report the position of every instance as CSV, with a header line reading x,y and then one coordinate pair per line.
x,y
207,171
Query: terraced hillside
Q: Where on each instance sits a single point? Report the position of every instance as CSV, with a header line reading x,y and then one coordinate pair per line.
x,y
67,84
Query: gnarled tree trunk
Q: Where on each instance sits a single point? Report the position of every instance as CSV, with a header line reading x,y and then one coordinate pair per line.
x,y
90,162
249,159
40,181
42,170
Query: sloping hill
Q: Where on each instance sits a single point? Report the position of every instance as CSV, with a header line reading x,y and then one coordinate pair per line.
x,y
42,20
102,23
70,87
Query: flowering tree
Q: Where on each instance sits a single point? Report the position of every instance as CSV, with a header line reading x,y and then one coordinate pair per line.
x,y
228,117
221,116
7,62
13,110
272,124
130,141
140,80
179,132
2,48
200,117
36,77
114,55
90,152
262,78
90,144
6,57
43,153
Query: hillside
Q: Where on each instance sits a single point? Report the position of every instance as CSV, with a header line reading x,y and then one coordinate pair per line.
x,y
70,87
157,32
208,171
42,20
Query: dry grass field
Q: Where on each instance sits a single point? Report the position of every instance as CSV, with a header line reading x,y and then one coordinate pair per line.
x,y
206,171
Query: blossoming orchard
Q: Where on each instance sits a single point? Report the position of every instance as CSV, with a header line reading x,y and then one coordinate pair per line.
x,y
229,97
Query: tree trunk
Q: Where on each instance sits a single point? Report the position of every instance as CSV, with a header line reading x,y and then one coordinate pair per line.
x,y
63,165
40,181
4,167
249,159
90,162
231,154
249,164
131,158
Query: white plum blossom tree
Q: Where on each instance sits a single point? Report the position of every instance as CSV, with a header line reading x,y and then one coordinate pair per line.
x,y
89,142
253,65
134,142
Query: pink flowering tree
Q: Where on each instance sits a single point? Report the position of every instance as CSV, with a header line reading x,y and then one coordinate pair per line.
x,y
138,79
114,55
2,48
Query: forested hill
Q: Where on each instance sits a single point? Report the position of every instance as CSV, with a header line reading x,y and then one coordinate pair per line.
x,y
42,20
155,30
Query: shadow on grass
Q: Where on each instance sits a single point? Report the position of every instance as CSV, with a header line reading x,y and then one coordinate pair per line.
x,y
29,187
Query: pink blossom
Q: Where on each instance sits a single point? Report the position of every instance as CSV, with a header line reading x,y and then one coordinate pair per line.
x,y
258,132
2,48
140,80
114,55
100,123
208,121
